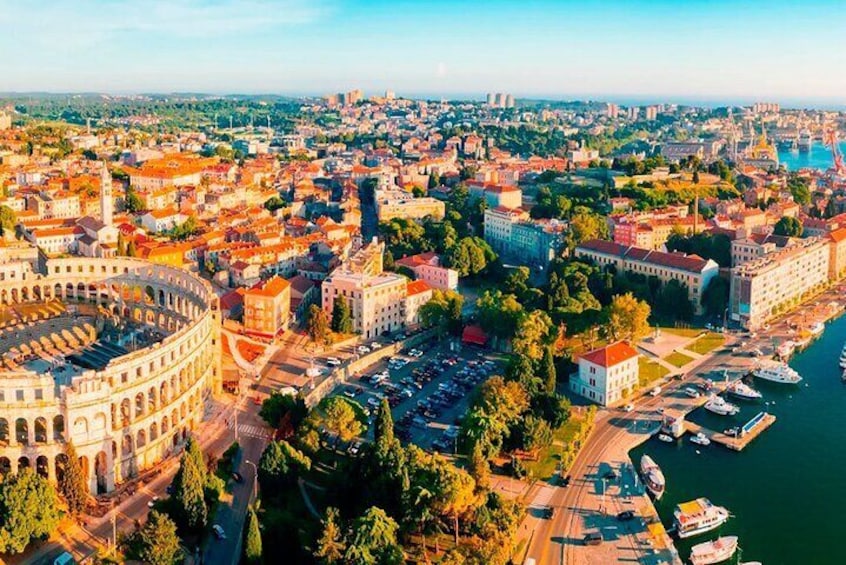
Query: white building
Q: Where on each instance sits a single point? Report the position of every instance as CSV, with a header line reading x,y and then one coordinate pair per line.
x,y
427,267
607,375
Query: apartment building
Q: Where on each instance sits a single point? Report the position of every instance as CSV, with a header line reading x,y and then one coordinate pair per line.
x,y
756,245
837,254
267,308
691,270
496,195
763,287
513,235
607,375
427,267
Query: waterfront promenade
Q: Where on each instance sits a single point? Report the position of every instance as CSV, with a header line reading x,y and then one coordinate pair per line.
x,y
589,505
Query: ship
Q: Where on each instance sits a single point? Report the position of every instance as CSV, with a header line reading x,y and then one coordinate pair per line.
x,y
697,517
653,477
805,141
742,390
777,373
718,405
716,551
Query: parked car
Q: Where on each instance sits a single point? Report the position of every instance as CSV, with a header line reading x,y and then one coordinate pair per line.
x,y
549,512
375,345
237,477
333,361
362,349
626,516
593,538
628,408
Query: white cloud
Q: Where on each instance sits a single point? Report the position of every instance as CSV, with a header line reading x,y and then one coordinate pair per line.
x,y
88,22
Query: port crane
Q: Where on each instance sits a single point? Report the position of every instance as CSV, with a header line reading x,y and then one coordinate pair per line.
x,y
830,140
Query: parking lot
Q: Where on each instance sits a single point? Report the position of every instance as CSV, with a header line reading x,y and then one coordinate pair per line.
x,y
428,390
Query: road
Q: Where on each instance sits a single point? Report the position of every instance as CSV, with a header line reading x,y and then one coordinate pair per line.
x,y
559,540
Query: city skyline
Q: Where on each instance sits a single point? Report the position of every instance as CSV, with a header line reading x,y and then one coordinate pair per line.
x,y
636,51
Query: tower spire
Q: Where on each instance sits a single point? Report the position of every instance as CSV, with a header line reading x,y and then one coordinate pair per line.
x,y
106,200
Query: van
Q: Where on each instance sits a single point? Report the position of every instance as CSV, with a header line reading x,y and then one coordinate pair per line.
x,y
655,391
64,559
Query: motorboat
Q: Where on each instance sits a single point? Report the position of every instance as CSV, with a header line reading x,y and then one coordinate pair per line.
x,y
731,431
843,358
817,329
665,438
697,517
653,477
716,551
742,390
700,439
777,373
718,405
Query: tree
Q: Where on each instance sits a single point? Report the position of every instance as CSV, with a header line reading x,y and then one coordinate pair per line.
x,y
73,485
252,539
373,539
499,314
788,226
277,405
479,468
8,220
533,334
628,317
469,256
715,297
132,202
547,370
330,546
383,429
158,542
28,510
695,177
443,311
280,464
274,203
535,434
341,316
800,188
317,325
189,488
586,225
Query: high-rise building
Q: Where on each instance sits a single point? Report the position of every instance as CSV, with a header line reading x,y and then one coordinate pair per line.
x,y
491,99
612,110
509,101
390,95
651,112
765,107
633,112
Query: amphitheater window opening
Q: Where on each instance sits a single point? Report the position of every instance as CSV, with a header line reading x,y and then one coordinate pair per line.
x,y
124,412
40,430
151,399
5,466
14,295
24,294
175,439
86,470
149,294
4,297
4,431
80,427
59,428
161,298
101,469
139,404
60,464
165,426
69,292
22,431
126,445
137,294
80,291
42,466
154,431
141,440
23,463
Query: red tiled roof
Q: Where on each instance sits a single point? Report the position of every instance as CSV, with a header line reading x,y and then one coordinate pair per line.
x,y
417,287
611,355
692,263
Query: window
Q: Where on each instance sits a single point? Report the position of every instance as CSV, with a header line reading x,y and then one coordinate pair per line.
x,y
19,395
39,394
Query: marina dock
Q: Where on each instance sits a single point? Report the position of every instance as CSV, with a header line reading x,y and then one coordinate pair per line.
x,y
751,430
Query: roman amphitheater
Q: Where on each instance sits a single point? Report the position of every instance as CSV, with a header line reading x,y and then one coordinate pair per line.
x,y
116,355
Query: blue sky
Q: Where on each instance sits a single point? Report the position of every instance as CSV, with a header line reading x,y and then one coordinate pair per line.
x,y
656,49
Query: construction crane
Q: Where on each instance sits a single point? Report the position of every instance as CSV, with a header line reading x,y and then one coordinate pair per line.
x,y
830,140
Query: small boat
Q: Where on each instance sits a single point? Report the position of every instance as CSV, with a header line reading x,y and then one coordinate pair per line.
x,y
700,439
731,431
777,373
697,517
653,477
716,551
691,392
843,376
817,329
843,359
665,438
742,390
718,405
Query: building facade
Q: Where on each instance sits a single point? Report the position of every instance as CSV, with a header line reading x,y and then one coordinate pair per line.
x,y
267,308
607,375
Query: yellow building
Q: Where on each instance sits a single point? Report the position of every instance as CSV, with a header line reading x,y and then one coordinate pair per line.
x,y
267,308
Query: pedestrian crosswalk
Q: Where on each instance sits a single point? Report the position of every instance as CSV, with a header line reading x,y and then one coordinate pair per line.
x,y
249,430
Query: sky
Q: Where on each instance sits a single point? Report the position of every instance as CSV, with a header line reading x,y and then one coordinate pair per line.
x,y
686,50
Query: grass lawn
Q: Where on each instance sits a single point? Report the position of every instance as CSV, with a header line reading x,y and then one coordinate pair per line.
x,y
549,457
707,343
649,371
684,332
678,359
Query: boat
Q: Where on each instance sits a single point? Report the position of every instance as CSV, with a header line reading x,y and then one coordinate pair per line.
x,y
665,438
697,517
731,431
718,405
742,390
700,439
817,329
843,358
804,141
691,392
716,551
843,376
777,373
653,477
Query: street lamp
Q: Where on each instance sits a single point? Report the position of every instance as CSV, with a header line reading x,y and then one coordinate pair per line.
x,y
255,478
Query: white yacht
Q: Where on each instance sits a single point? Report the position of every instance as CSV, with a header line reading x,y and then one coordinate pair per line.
x,y
843,357
700,439
716,551
743,390
718,405
777,373
698,516
653,477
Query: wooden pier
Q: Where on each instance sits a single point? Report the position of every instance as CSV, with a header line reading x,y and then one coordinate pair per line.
x,y
749,431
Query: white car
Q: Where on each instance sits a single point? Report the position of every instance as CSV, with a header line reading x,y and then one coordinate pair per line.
x,y
333,361
375,345
628,408
362,349
655,391
218,532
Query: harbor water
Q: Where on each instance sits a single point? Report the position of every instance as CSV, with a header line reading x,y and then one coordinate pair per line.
x,y
787,489
819,157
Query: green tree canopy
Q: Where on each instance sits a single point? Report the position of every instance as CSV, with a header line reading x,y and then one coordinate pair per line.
x,y
628,318
189,488
789,226
317,325
342,321
73,486
28,510
252,539
158,543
